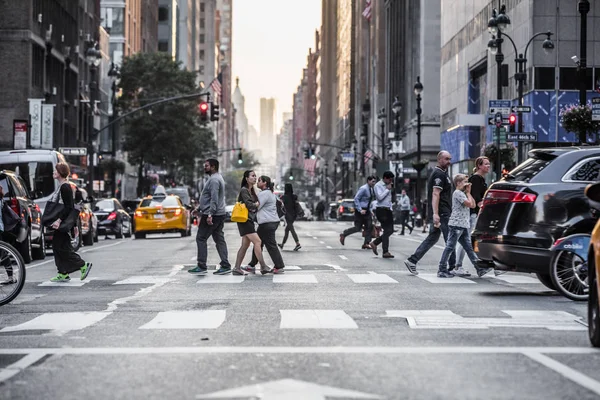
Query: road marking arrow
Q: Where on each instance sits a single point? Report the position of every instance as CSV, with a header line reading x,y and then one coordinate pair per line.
x,y
288,389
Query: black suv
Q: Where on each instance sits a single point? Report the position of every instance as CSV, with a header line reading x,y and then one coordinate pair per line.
x,y
27,237
538,202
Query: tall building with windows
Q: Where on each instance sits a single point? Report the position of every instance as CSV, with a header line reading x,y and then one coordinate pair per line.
x,y
168,27
241,119
268,129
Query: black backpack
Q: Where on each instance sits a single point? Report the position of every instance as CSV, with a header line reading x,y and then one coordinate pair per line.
x,y
280,208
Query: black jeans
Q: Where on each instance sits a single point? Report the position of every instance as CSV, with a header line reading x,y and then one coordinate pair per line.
x,y
289,228
361,221
66,259
266,233
432,239
386,218
216,231
404,217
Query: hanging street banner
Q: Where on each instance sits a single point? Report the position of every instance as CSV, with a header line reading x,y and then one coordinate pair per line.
x,y
348,156
47,126
20,134
35,115
596,109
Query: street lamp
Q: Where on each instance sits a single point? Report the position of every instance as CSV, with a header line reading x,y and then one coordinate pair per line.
x,y
419,165
335,170
396,109
381,116
366,116
113,75
584,8
326,183
93,57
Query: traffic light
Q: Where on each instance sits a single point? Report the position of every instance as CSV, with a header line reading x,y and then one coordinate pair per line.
x,y
512,121
312,153
240,159
203,108
214,112
306,154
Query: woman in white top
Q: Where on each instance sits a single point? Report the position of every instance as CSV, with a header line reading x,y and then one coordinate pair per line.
x,y
268,222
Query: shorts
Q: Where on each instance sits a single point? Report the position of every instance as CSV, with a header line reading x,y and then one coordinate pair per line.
x,y
246,228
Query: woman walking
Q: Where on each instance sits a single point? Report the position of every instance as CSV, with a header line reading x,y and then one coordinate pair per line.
x,y
478,189
268,222
289,202
67,260
249,236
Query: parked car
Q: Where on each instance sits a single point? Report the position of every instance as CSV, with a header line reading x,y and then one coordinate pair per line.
x,y
346,210
593,193
112,218
28,236
88,220
228,211
537,203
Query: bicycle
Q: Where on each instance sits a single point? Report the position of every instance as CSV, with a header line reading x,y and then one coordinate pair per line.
x,y
12,273
569,266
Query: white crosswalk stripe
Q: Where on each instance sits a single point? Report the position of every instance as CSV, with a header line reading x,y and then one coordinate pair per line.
x,y
74,282
371,278
193,319
432,278
65,321
316,319
291,278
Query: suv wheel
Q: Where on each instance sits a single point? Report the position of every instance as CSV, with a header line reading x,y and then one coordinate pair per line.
x,y
119,233
128,233
40,252
546,280
25,248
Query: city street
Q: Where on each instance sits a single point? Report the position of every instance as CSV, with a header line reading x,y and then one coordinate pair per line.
x,y
339,324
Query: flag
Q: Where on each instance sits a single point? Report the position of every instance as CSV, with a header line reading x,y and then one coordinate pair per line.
x,y
368,155
309,166
215,85
367,11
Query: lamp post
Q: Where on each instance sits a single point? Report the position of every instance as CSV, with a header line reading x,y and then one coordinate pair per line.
x,y
93,58
335,168
584,8
114,75
396,109
326,183
418,166
366,116
381,116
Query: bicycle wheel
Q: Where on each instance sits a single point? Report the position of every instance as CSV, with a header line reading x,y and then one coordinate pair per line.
x,y
12,273
569,274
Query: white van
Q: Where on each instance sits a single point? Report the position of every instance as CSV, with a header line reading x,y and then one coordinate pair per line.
x,y
35,167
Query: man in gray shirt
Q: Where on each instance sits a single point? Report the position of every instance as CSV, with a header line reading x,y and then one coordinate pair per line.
x,y
212,218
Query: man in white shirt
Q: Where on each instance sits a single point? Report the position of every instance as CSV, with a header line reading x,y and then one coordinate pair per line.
x,y
383,212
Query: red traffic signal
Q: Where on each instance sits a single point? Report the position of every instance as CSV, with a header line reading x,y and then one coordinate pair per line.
x,y
203,107
512,119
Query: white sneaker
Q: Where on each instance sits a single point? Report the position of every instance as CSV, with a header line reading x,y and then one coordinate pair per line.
x,y
460,271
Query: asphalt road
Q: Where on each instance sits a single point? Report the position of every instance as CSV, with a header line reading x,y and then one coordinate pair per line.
x,y
339,324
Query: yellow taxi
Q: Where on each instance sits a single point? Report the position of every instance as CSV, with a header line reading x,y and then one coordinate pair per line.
x,y
162,213
593,193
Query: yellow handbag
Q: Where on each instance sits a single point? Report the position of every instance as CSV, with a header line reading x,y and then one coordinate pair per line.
x,y
239,213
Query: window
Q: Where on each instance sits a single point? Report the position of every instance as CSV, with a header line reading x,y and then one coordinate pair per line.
x,y
169,201
163,14
584,171
202,38
202,54
37,176
118,21
201,69
202,7
202,23
105,205
163,45
569,79
544,78
528,169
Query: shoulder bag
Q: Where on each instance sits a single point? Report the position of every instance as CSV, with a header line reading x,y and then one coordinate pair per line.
x,y
239,213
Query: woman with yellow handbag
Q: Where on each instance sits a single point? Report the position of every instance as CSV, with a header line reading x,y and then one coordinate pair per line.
x,y
249,199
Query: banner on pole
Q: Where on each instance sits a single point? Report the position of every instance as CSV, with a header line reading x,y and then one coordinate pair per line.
x,y
47,126
35,115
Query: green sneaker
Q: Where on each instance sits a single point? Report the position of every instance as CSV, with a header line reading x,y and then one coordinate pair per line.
x,y
198,271
61,278
85,270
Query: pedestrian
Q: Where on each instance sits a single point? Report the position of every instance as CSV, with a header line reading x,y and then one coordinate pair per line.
x,y
268,222
362,213
290,202
211,219
247,230
383,194
478,189
67,260
405,211
424,216
439,202
458,229
321,210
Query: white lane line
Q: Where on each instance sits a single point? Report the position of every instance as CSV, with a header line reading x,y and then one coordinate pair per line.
x,y
11,370
433,278
316,238
568,372
321,242
328,247
140,280
218,279
336,267
301,350
71,283
82,251
292,267
190,319
316,319
342,257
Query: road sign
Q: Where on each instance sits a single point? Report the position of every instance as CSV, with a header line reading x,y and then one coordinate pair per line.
x,y
596,109
492,121
522,109
73,151
522,137
499,106
348,157
502,135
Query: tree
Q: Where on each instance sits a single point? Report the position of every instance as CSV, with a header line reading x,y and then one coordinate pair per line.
x,y
169,134
233,178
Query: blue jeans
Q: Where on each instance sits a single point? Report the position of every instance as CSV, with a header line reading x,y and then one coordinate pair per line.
x,y
432,239
462,236
460,256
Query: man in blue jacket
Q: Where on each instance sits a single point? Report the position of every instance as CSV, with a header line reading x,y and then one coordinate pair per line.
x,y
362,212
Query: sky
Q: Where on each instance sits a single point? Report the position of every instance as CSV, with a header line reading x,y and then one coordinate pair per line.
x,y
271,39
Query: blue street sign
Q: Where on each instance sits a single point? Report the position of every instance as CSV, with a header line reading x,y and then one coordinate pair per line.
x,y
596,109
499,106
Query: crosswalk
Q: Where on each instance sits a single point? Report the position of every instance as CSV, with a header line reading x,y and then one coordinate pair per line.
x,y
313,319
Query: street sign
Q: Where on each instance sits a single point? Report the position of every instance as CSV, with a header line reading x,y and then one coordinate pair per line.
x,y
522,109
522,137
596,109
502,135
348,157
499,106
397,147
73,151
492,121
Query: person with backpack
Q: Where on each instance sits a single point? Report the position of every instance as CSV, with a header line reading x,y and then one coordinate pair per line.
x,y
292,212
267,217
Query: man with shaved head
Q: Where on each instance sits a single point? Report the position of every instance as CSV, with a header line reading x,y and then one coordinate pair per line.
x,y
439,206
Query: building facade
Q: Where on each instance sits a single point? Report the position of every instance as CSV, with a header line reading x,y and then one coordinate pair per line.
x,y
168,26
241,119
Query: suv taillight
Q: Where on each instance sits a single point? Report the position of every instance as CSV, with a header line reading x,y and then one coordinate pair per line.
x,y
112,216
14,204
507,196
341,209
